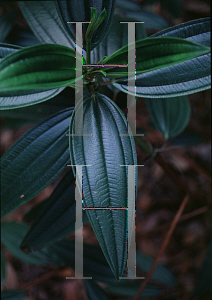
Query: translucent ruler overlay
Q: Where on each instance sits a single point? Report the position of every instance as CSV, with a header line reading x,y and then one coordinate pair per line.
x,y
131,257
131,99
131,103
79,81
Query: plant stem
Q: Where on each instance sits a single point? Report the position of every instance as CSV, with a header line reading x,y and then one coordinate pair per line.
x,y
144,145
163,247
88,52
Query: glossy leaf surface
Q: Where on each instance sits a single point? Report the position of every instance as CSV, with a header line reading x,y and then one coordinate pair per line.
x,y
23,98
37,112
154,53
13,295
184,78
38,67
43,18
12,233
94,262
116,38
105,182
57,218
133,10
170,115
34,161
6,49
80,11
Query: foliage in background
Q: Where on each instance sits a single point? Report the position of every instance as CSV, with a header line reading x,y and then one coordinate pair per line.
x,y
36,84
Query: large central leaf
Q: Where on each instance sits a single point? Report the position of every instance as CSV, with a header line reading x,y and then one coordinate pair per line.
x,y
105,181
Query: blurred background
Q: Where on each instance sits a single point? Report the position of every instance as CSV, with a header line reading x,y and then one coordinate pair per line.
x,y
158,197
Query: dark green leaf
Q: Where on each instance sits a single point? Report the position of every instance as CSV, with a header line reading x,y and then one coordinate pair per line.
x,y
154,53
44,66
94,291
12,233
3,268
6,49
105,182
133,10
94,262
170,115
80,11
44,21
30,216
197,31
185,78
34,161
129,289
57,218
203,289
23,98
34,113
161,273
6,23
13,295
94,23
116,38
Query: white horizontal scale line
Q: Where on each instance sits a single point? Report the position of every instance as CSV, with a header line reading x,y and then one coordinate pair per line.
x,y
106,65
126,22
119,208
131,165
77,22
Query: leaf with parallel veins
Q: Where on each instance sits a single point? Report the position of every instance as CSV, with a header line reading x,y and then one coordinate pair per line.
x,y
34,161
185,78
105,181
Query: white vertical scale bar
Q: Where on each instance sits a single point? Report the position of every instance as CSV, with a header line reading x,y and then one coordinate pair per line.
x,y
131,99
78,80
79,227
131,258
